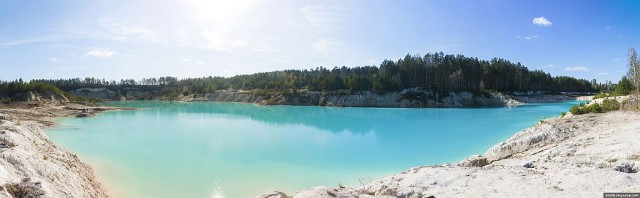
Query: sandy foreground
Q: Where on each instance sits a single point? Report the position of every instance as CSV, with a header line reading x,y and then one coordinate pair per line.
x,y
31,165
575,156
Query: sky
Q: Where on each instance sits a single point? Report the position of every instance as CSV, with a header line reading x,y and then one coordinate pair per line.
x,y
117,39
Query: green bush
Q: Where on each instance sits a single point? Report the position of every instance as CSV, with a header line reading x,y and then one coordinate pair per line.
x,y
606,106
610,105
594,108
576,110
563,114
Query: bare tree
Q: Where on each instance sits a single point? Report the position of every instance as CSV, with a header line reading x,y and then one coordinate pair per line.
x,y
634,73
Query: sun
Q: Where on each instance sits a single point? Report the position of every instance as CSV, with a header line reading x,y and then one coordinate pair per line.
x,y
220,11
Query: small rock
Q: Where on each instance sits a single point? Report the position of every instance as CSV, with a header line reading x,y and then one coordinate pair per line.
x,y
474,161
411,194
273,194
387,192
625,168
26,188
331,193
4,117
528,164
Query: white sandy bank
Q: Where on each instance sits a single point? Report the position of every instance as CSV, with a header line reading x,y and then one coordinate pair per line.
x,y
32,166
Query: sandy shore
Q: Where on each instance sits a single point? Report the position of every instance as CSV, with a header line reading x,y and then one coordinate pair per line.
x,y
33,166
577,156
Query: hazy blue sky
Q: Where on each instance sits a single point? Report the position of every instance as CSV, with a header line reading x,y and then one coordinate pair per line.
x,y
191,38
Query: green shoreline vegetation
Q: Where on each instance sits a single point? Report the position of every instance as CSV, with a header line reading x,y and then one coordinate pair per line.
x,y
14,91
434,71
606,106
609,103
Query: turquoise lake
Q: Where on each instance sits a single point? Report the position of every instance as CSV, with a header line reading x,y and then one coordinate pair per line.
x,y
233,150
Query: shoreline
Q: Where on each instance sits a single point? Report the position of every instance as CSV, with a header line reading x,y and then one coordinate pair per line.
x,y
100,171
407,98
388,100
33,165
559,157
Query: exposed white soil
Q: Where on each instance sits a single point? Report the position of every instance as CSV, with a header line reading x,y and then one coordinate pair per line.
x,y
30,164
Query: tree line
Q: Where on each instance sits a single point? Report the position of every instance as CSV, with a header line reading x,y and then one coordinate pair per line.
x,y
433,71
12,88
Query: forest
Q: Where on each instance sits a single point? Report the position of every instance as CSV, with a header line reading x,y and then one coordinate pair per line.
x,y
433,71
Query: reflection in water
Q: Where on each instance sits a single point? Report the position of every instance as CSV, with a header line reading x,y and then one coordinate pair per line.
x,y
334,119
240,150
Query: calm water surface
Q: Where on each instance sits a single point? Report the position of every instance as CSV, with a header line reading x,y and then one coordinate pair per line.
x,y
208,149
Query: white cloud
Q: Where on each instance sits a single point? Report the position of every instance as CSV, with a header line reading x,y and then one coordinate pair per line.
x,y
549,66
185,60
28,41
616,59
541,21
130,32
200,63
576,69
53,59
528,37
101,52
603,73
